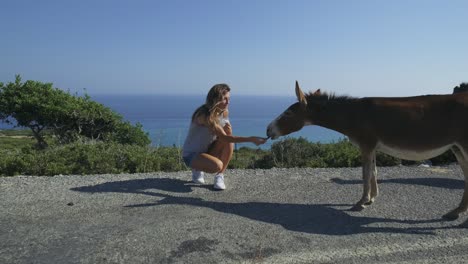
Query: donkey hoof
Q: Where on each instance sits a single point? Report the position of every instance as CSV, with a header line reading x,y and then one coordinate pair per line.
x,y
450,216
357,208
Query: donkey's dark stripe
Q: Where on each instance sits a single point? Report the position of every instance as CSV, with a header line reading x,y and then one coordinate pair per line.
x,y
412,128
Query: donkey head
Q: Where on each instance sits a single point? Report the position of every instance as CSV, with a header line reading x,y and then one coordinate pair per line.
x,y
293,118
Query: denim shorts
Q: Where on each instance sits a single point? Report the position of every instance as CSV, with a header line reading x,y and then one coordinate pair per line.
x,y
189,157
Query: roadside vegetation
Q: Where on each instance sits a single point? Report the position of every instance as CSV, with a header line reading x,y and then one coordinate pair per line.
x,y
19,156
61,133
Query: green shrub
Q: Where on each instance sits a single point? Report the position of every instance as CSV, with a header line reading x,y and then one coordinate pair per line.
x,y
387,160
11,162
90,158
298,152
96,157
295,152
341,154
246,158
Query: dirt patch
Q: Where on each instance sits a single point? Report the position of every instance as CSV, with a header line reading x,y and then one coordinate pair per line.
x,y
3,135
439,170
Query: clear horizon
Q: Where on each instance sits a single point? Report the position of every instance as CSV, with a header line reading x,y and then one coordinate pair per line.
x,y
361,48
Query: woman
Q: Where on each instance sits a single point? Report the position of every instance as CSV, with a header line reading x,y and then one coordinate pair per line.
x,y
209,143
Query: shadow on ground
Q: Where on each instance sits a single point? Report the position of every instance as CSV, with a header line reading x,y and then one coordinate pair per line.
x,y
308,218
430,182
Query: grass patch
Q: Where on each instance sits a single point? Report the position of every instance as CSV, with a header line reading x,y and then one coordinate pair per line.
x,y
12,143
15,133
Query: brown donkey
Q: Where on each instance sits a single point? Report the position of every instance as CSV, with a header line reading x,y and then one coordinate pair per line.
x,y
411,128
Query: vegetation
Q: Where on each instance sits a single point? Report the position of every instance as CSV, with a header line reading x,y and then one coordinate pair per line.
x,y
90,158
18,156
15,139
463,87
67,118
68,134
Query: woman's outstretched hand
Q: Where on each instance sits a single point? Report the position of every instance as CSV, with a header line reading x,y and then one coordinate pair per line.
x,y
259,140
228,129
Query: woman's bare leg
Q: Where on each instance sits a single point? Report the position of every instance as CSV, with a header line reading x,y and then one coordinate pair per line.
x,y
207,163
223,151
215,161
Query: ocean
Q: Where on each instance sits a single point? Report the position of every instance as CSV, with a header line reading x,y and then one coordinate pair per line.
x,y
166,118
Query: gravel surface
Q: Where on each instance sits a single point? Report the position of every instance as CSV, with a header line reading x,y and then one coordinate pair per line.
x,y
264,216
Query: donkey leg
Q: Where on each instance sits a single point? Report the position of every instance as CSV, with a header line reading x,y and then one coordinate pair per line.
x,y
374,192
366,176
462,158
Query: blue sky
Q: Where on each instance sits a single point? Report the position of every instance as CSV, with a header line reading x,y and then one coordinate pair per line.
x,y
358,48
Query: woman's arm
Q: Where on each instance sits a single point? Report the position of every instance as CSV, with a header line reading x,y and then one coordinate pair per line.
x,y
225,133
228,137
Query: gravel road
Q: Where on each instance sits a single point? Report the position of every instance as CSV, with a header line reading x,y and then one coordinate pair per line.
x,y
264,216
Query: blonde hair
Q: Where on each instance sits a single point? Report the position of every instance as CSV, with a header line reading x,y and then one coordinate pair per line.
x,y
210,110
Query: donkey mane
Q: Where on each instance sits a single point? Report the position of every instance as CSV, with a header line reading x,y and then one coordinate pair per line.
x,y
328,97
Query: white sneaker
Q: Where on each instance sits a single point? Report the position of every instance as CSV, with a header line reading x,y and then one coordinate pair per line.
x,y
198,176
219,182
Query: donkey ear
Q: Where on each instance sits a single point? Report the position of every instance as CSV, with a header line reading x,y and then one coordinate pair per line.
x,y
300,95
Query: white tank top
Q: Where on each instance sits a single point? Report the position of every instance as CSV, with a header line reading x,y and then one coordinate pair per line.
x,y
200,137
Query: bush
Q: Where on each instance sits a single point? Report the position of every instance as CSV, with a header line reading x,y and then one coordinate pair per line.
x,y
97,157
341,154
298,152
387,160
295,152
11,162
247,158
91,158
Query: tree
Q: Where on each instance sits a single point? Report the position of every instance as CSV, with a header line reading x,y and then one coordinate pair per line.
x,y
27,103
40,107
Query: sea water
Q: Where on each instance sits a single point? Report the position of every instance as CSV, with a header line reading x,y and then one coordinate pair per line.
x,y
166,118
